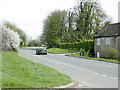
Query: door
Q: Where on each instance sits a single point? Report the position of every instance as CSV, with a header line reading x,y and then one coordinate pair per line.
x,y
98,54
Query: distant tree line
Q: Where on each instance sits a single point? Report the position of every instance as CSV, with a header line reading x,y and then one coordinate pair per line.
x,y
80,23
35,42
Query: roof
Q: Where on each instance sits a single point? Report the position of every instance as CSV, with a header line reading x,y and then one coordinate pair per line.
x,y
109,31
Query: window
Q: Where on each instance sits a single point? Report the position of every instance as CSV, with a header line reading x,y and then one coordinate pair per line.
x,y
107,41
98,41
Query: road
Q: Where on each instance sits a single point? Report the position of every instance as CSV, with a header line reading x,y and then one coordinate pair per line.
x,y
87,73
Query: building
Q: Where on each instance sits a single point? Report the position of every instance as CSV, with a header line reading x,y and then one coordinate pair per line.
x,y
108,37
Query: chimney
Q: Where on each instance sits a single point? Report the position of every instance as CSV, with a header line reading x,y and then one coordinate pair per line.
x,y
119,11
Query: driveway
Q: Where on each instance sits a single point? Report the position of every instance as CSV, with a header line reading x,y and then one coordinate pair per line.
x,y
87,73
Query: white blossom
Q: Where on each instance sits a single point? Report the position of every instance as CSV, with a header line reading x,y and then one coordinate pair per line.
x,y
10,40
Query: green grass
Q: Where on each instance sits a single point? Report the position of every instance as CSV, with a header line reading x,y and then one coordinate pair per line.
x,y
18,72
101,59
59,50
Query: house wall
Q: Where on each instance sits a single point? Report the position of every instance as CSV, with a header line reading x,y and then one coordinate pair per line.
x,y
96,48
103,48
118,47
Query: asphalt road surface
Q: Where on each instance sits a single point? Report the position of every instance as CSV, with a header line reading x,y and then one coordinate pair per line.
x,y
86,73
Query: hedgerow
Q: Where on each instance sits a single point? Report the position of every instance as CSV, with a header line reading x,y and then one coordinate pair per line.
x,y
86,45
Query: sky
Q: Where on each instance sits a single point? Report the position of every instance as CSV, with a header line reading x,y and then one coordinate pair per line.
x,y
29,15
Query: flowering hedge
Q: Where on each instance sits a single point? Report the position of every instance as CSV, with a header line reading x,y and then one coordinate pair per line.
x,y
86,45
10,40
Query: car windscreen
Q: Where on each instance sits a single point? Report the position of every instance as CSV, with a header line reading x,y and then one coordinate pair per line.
x,y
41,49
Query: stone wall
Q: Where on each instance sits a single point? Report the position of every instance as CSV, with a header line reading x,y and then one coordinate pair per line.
x,y
119,47
103,48
96,48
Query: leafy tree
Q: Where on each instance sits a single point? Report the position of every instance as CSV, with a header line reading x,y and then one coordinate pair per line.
x,y
78,24
20,32
54,28
71,26
90,18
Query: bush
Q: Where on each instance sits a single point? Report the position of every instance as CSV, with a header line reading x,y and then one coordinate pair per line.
x,y
78,45
91,52
66,45
71,45
86,45
61,45
10,39
112,53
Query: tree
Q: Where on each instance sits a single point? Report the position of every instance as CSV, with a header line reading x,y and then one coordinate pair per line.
x,y
90,18
54,28
20,32
70,26
80,23
10,39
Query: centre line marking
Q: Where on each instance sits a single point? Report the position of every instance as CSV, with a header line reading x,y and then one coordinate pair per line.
x,y
113,78
96,73
104,75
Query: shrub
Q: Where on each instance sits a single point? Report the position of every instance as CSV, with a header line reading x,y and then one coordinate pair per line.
x,y
61,45
112,53
86,45
91,52
10,39
66,45
78,45
71,45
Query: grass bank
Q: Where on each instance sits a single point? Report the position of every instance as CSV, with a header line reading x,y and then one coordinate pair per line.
x,y
59,50
18,72
100,59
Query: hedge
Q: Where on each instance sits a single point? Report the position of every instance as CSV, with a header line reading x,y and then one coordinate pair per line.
x,y
86,45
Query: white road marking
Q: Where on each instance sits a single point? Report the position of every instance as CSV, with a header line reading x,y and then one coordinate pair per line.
x,y
96,73
104,75
65,86
80,85
113,78
64,64
83,69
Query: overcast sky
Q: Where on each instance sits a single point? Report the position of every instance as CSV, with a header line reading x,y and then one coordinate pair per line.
x,y
30,14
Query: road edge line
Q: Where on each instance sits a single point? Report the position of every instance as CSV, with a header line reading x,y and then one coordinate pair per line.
x,y
65,86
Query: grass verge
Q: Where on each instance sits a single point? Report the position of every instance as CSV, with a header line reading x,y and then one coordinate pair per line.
x,y
100,59
18,72
59,50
